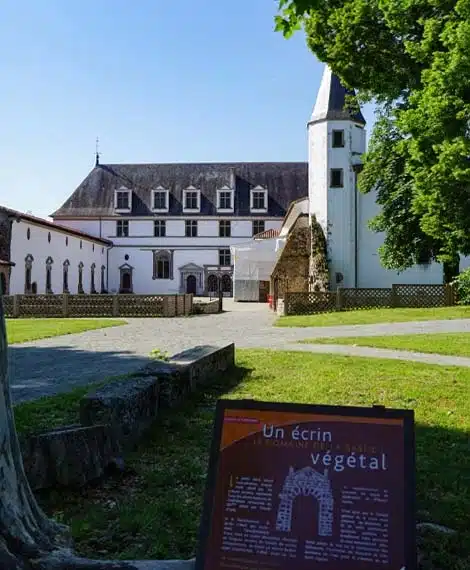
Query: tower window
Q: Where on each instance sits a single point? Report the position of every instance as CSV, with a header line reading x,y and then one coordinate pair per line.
x,y
338,139
336,178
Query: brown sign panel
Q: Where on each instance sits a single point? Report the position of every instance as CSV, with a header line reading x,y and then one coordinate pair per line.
x,y
304,487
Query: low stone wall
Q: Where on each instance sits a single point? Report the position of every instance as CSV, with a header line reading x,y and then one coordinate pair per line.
x,y
116,416
210,308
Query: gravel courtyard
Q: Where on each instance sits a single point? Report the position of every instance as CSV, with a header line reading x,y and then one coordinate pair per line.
x,y
58,364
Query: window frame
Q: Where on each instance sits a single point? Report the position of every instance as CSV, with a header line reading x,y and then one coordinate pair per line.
x,y
192,224
125,224
161,190
119,191
254,233
162,225
225,224
341,173
220,192
163,257
222,253
253,192
335,132
192,190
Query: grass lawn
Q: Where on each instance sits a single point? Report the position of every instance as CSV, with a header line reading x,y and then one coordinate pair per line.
x,y
371,316
24,330
152,509
457,344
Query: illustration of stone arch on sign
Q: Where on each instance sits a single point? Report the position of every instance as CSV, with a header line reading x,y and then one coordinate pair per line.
x,y
303,483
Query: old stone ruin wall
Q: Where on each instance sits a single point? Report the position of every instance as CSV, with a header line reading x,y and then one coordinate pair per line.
x,y
318,268
302,265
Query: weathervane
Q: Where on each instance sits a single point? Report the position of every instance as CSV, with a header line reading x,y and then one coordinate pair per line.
x,y
97,152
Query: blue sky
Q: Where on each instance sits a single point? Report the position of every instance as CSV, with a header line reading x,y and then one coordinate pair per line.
x,y
156,80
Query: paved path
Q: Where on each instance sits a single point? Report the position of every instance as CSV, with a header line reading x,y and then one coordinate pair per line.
x,y
58,364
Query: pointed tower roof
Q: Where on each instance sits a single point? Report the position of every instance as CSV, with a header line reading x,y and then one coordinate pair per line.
x,y
331,98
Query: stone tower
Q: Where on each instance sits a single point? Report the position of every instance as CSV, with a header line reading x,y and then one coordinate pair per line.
x,y
336,141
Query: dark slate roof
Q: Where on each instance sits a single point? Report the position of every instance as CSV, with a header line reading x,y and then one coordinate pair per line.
x,y
285,182
336,108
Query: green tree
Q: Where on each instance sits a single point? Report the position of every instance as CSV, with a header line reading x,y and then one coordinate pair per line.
x,y
413,59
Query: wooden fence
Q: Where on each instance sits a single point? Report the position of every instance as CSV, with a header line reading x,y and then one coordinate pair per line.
x,y
368,298
77,306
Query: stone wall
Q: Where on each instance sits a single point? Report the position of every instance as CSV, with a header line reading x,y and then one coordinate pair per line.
x,y
292,268
115,417
318,267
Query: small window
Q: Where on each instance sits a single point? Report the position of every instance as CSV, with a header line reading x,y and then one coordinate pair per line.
x,y
191,200
191,228
28,233
336,180
102,250
122,200
93,247
225,200
49,237
224,228
258,227
159,228
81,244
338,139
122,228
224,257
160,200
259,199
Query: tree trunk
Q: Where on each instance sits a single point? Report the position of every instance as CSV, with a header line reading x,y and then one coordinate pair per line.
x,y
28,539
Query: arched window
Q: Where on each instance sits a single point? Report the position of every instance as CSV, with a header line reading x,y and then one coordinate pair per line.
x,y
103,278
28,269
65,276
227,285
49,262
80,278
162,265
92,278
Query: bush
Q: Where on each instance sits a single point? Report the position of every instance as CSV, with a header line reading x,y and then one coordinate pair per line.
x,y
462,282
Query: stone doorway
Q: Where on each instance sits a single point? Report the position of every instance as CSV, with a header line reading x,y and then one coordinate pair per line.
x,y
191,284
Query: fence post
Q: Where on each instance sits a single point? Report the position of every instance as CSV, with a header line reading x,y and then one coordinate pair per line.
x,y
65,305
394,297
176,304
339,299
449,294
16,305
115,306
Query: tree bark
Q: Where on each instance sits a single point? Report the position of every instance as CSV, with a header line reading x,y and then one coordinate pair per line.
x,y
29,540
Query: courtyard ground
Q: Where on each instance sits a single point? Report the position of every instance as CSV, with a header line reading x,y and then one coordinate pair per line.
x,y
152,510
53,365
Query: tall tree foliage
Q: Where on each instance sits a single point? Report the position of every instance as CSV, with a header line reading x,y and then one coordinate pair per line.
x,y
413,58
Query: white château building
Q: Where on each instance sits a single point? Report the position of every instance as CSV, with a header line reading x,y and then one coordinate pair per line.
x,y
169,228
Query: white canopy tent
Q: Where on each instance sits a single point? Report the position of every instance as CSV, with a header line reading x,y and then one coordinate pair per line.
x,y
254,261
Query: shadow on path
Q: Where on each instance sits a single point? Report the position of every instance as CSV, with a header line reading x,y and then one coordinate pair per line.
x,y
45,371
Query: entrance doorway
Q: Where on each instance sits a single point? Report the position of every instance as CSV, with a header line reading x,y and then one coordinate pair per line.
x,y
227,285
191,284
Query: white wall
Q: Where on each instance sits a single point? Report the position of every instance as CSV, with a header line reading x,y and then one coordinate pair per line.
x,y
142,263
370,271
40,248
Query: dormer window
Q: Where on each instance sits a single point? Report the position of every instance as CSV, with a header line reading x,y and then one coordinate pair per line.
x,y
191,200
225,200
259,199
160,200
122,200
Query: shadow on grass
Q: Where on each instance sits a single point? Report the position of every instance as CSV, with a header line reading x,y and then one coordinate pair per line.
x,y
152,509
